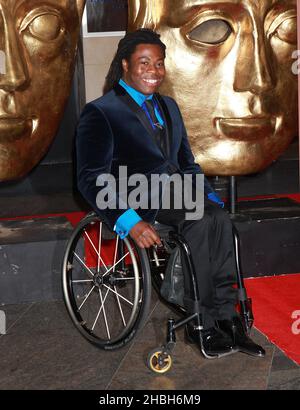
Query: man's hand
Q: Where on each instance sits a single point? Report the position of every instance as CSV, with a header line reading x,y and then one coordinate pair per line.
x,y
144,235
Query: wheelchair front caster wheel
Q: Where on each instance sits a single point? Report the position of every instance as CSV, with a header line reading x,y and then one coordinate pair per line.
x,y
159,361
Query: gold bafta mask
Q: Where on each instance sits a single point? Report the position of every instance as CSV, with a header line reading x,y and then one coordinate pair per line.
x,y
229,66
38,40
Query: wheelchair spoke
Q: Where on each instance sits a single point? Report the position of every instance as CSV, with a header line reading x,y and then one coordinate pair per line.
x,y
104,314
119,294
120,307
94,247
82,280
98,314
83,264
116,293
115,253
115,264
99,247
86,298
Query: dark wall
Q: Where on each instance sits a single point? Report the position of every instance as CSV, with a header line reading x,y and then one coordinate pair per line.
x,y
107,15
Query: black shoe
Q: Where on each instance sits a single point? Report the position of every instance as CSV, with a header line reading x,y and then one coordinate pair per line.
x,y
214,341
241,341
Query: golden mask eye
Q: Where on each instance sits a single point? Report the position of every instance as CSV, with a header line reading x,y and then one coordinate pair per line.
x,y
45,27
214,31
287,30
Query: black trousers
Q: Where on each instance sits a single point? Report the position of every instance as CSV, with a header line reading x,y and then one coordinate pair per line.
x,y
211,243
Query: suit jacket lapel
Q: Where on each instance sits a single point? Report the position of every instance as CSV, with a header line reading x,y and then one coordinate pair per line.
x,y
168,122
125,97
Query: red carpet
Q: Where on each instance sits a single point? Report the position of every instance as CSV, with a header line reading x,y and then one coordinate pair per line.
x,y
276,308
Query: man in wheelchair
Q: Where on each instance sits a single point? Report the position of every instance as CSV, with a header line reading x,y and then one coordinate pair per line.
x,y
132,125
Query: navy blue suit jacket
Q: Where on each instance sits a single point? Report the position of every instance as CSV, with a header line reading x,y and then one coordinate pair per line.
x,y
114,131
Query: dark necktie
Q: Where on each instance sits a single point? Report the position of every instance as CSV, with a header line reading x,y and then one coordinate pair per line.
x,y
158,129
150,108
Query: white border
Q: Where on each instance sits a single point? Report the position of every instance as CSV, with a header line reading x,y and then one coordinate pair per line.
x,y
85,32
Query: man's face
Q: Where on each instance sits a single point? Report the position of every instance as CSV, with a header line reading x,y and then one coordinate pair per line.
x,y
229,67
38,42
145,69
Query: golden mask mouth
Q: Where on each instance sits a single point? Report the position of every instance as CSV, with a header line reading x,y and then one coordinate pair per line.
x,y
14,128
247,128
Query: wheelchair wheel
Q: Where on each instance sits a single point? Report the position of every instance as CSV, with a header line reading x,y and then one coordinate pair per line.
x,y
106,284
159,361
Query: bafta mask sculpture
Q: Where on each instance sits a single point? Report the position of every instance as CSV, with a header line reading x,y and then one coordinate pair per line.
x,y
38,40
229,67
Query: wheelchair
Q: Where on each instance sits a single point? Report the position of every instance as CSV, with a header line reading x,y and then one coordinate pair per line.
x,y
107,285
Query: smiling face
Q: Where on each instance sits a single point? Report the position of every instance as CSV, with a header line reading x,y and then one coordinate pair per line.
x,y
37,43
145,70
229,67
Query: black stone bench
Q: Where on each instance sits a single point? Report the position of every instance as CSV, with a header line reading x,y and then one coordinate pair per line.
x,y
269,231
31,254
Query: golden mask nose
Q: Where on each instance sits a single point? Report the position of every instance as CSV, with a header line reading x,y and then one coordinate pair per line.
x,y
253,70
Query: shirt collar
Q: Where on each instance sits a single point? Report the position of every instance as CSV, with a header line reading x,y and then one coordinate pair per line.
x,y
138,97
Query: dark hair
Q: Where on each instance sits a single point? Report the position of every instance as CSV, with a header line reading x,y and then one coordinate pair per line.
x,y
126,48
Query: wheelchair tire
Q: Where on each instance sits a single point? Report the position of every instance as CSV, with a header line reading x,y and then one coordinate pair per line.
x,y
107,298
159,361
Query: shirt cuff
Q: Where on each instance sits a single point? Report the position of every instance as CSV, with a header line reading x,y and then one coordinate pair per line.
x,y
214,197
125,222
